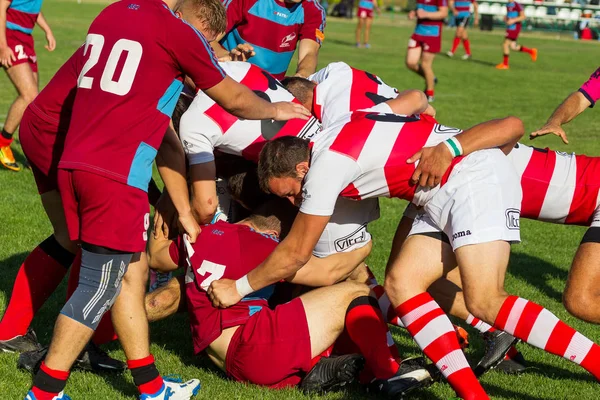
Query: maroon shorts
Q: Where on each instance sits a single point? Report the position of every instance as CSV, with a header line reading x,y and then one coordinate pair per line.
x,y
104,212
514,34
22,46
272,348
430,44
364,13
42,147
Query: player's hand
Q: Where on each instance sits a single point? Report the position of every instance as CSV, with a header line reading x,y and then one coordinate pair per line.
x,y
430,111
165,216
550,128
190,226
412,15
242,52
7,57
421,14
223,293
433,164
51,41
285,110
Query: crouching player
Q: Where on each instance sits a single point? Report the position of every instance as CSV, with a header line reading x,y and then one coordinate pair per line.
x,y
280,346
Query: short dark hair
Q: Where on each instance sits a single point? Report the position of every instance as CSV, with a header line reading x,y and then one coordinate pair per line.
x,y
183,103
210,12
300,88
244,188
276,214
279,158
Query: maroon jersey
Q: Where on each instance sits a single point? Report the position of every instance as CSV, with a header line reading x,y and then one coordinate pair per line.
x,y
222,251
138,54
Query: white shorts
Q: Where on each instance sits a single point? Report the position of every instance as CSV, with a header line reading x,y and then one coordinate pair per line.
x,y
347,228
596,218
480,202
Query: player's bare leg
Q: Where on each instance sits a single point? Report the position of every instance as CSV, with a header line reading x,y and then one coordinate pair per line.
x,y
413,59
457,38
164,301
506,53
24,81
427,67
582,293
359,28
368,22
517,47
53,207
410,272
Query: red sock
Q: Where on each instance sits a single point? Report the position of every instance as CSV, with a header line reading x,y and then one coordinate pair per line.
x,y
39,276
48,383
5,142
429,93
145,375
505,60
366,327
537,326
455,44
479,324
434,333
467,45
384,301
325,353
526,50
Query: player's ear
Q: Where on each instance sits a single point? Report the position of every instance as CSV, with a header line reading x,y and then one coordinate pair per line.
x,y
302,169
178,14
271,232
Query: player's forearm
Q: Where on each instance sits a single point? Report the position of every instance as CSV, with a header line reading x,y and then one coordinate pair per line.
x,y
245,104
220,51
283,262
570,108
409,102
170,161
307,65
41,22
503,133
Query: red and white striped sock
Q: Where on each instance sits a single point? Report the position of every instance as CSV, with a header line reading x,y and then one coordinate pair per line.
x,y
478,324
384,301
537,326
434,333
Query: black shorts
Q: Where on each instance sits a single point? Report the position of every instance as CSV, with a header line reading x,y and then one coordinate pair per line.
x,y
462,22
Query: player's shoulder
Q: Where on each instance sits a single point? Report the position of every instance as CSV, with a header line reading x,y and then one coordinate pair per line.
x,y
314,7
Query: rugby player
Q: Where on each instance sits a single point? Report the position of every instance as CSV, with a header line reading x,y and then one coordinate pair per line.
x,y
276,347
17,56
571,107
426,41
128,118
514,18
365,19
461,9
267,32
42,133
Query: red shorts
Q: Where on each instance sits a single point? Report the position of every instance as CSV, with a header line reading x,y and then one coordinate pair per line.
x,y
104,212
514,34
42,147
430,44
22,46
364,13
272,348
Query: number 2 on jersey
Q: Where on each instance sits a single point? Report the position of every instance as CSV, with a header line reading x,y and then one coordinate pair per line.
x,y
214,270
93,45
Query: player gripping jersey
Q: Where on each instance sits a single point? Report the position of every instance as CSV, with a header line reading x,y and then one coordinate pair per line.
x,y
273,28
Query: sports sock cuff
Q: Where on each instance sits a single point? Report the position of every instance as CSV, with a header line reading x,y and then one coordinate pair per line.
x,y
55,373
363,301
142,362
411,304
51,247
5,142
49,380
6,135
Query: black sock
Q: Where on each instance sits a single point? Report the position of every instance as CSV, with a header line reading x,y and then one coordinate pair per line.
x,y
7,135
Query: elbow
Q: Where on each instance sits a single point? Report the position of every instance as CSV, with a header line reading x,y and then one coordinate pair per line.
x,y
204,212
296,260
515,126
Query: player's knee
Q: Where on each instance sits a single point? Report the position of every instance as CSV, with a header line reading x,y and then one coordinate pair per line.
x,y
162,302
582,303
412,65
29,95
100,282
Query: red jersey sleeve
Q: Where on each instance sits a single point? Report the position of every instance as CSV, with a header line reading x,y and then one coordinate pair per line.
x,y
177,251
194,54
518,7
314,21
235,12
442,3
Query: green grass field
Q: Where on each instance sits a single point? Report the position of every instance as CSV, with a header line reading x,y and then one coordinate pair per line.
x,y
467,93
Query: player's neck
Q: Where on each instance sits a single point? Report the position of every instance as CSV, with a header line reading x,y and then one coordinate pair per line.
x,y
170,3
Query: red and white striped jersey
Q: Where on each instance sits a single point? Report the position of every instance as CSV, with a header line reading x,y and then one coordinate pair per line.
x,y
342,89
557,187
364,155
206,126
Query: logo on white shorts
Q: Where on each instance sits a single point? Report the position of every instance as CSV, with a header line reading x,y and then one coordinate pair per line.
x,y
460,234
358,236
512,218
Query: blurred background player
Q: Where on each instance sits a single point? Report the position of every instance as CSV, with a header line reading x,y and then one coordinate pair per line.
x,y
461,9
514,18
266,33
17,56
571,107
365,19
426,41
